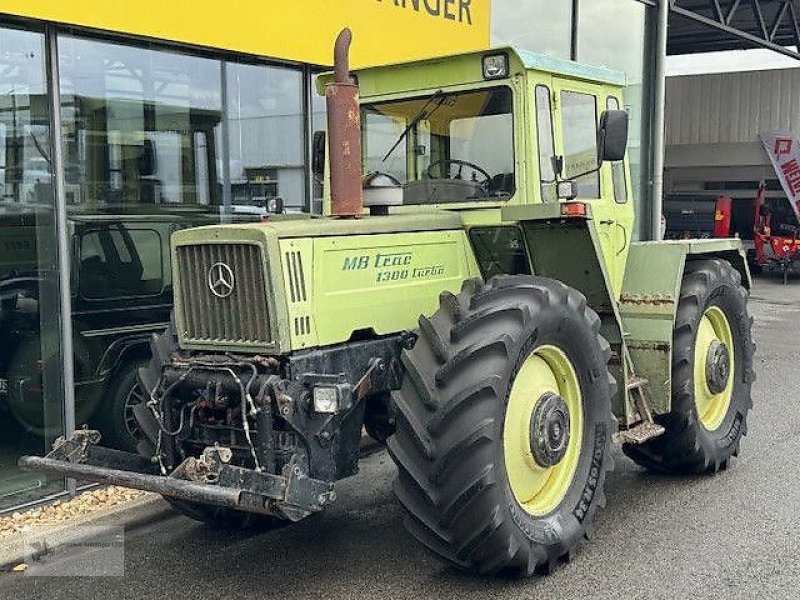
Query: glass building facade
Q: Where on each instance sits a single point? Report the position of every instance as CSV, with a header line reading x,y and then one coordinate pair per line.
x,y
618,34
147,138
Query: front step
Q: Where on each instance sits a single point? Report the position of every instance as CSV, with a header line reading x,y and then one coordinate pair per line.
x,y
646,428
641,433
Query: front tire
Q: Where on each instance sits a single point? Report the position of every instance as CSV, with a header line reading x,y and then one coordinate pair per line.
x,y
710,399
492,369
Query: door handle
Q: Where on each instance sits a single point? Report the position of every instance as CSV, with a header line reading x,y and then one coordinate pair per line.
x,y
625,242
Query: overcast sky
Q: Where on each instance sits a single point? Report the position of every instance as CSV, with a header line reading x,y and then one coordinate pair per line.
x,y
735,60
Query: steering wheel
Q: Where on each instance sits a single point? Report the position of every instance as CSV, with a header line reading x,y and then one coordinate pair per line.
x,y
375,174
461,164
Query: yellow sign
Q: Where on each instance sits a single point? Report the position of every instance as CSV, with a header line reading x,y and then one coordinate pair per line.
x,y
385,31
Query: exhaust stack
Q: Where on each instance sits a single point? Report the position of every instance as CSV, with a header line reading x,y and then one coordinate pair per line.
x,y
344,134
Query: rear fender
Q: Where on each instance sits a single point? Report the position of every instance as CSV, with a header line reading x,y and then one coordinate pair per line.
x,y
649,302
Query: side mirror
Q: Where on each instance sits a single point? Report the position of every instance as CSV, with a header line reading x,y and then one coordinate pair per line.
x,y
318,154
612,136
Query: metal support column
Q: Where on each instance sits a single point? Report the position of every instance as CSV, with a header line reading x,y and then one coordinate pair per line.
x,y
573,40
62,232
659,99
225,134
308,136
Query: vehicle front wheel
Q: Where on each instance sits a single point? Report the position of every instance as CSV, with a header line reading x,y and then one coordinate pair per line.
x,y
503,426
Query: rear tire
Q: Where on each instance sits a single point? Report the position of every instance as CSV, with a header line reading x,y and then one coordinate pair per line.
x,y
698,441
458,478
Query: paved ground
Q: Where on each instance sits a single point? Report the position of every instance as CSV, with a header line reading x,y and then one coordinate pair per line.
x,y
736,535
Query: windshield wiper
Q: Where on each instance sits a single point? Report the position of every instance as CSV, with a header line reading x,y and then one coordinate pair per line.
x,y
438,97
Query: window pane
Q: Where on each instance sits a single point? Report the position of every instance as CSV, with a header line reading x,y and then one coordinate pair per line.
x,y
141,138
544,131
132,120
31,396
452,147
117,262
319,121
579,125
618,167
534,25
267,136
613,33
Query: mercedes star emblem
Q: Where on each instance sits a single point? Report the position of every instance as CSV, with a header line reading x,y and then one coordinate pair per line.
x,y
220,280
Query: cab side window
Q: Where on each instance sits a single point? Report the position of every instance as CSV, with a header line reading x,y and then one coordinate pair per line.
x,y
618,168
579,126
546,141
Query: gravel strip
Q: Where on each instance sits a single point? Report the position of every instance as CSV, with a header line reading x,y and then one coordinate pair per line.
x,y
61,512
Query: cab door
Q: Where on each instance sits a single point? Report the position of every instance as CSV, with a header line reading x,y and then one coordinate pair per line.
x,y
578,107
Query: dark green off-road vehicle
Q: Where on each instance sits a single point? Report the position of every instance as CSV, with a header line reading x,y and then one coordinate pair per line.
x,y
122,293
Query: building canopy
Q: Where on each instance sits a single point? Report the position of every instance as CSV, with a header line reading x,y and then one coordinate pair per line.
x,y
711,25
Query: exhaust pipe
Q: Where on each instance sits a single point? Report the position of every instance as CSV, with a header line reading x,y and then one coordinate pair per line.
x,y
344,134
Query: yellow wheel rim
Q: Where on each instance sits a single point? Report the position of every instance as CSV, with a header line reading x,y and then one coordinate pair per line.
x,y
712,399
546,372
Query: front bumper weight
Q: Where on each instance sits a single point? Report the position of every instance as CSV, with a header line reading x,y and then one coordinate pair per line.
x,y
293,496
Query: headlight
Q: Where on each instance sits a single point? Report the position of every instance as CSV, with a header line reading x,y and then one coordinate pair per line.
x,y
326,399
495,66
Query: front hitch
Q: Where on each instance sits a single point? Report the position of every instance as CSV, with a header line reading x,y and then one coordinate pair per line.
x,y
205,480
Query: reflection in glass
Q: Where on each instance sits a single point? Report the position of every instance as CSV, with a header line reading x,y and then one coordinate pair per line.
x,y
612,33
140,127
30,360
267,139
141,139
536,25
579,129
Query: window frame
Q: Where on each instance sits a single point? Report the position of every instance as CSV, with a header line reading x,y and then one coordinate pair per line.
x,y
95,230
596,174
543,181
464,89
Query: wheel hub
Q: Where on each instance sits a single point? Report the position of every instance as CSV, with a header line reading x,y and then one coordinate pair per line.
x,y
549,430
718,367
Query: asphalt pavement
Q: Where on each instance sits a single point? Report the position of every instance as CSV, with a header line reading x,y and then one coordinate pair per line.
x,y
733,535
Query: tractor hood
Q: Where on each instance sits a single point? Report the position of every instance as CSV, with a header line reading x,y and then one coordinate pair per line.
x,y
274,287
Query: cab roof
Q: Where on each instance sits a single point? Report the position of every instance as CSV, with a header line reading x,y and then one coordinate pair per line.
x,y
520,61
541,62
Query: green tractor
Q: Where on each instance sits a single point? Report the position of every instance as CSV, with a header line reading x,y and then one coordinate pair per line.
x,y
476,301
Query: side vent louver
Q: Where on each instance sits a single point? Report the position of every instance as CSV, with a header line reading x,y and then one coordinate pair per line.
x,y
297,278
302,325
298,292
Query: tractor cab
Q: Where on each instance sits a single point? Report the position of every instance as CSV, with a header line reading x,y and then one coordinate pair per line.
x,y
482,132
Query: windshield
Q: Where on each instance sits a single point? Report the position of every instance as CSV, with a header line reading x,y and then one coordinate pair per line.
x,y
447,147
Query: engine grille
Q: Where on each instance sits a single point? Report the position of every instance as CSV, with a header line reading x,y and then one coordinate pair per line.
x,y
242,316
